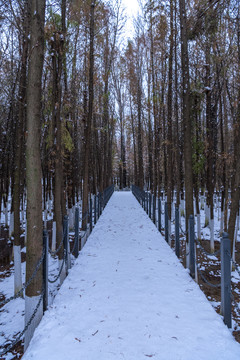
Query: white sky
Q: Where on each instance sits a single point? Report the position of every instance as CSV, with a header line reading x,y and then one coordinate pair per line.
x,y
131,7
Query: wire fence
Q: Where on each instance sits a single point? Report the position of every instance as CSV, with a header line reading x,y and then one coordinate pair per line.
x,y
25,286
236,266
18,338
98,208
205,251
206,282
52,281
191,246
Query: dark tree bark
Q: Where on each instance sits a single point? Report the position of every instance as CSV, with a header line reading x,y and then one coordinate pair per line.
x,y
186,114
236,166
139,128
150,137
209,130
178,152
57,59
88,124
156,136
134,142
169,120
20,126
33,159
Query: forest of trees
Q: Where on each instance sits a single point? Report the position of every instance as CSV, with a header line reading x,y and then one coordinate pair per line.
x,y
81,107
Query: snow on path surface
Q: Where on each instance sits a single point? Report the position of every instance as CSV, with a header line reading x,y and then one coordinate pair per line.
x,y
128,297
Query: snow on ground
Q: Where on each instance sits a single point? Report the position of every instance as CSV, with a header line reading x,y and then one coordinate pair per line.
x,y
12,314
128,297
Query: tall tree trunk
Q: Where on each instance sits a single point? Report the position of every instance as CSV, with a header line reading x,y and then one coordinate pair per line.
x,y
235,191
33,165
169,120
209,130
106,111
134,142
150,137
19,149
139,132
63,73
58,45
178,152
88,124
186,115
226,149
156,137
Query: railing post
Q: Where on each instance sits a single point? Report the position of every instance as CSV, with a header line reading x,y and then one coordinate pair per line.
x,y
65,241
102,208
177,242
95,210
159,215
226,280
101,203
147,201
166,221
150,205
90,215
191,237
154,209
45,270
76,242
98,201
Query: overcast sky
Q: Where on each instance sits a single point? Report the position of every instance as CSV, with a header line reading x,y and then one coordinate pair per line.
x,y
132,10
131,6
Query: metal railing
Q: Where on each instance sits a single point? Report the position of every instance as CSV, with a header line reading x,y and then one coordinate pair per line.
x,y
95,209
146,199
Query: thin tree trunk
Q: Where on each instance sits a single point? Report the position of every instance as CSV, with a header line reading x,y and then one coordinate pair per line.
x,y
150,137
178,151
235,191
156,138
88,125
169,120
186,115
134,142
139,132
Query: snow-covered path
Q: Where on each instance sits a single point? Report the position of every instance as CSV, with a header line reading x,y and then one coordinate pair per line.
x,y
128,297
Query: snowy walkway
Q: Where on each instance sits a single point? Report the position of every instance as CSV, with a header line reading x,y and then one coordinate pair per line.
x,y
128,297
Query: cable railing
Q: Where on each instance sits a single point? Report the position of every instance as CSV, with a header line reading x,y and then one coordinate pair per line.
x,y
147,200
95,209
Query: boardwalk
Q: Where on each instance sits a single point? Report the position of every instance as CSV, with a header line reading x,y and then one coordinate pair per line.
x,y
128,297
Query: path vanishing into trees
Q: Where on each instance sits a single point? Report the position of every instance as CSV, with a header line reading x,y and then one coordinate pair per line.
x,y
129,297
